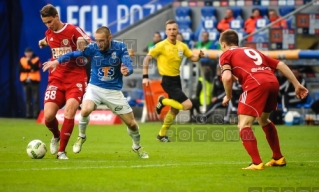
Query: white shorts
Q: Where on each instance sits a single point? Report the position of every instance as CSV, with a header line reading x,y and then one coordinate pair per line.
x,y
113,99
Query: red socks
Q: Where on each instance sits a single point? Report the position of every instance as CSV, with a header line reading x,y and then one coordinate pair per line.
x,y
250,144
53,126
273,141
66,132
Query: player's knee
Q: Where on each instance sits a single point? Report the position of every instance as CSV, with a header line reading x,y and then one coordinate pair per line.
x,y
49,116
85,112
187,105
132,124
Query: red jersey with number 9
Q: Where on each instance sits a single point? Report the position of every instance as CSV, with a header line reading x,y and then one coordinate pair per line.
x,y
251,67
62,42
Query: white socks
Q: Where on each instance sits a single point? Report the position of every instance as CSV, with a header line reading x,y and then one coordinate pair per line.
x,y
83,122
135,137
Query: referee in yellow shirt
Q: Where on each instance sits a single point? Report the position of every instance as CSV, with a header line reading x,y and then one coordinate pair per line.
x,y
169,54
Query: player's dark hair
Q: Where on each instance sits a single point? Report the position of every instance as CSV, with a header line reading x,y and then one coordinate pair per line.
x,y
48,11
104,30
230,37
170,22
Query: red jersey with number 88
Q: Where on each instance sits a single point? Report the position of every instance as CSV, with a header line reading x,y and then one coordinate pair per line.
x,y
251,67
62,42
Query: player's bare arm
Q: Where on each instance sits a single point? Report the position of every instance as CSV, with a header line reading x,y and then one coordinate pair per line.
x,y
301,91
146,63
50,64
227,78
43,43
196,57
81,43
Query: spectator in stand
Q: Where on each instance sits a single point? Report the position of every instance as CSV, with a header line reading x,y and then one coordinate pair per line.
x,y
250,24
206,44
156,38
225,23
273,16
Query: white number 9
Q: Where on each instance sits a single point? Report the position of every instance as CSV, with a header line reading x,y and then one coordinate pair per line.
x,y
254,55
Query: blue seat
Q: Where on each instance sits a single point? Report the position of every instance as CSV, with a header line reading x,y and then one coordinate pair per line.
x,y
213,35
184,25
305,105
262,36
136,98
284,10
236,24
183,13
208,21
241,33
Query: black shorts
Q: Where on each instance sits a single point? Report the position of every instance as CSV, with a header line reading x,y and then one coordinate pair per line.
x,y
173,87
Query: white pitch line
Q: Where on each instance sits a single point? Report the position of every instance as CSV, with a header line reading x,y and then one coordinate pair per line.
x,y
139,166
117,167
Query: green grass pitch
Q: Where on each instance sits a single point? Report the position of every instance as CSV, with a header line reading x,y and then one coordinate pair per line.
x,y
106,162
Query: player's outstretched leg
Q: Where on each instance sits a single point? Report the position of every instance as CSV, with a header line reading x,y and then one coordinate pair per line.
x,y
250,144
83,122
66,132
272,137
53,126
168,121
162,102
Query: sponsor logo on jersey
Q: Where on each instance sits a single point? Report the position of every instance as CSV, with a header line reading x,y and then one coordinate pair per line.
x,y
255,69
52,88
58,52
118,108
51,39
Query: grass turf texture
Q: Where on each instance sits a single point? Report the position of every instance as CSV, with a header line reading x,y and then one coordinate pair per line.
x,y
106,162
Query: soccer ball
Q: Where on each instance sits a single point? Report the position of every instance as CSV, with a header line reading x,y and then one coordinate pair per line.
x,y
36,149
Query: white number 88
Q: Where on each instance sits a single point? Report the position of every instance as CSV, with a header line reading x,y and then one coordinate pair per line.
x,y
255,56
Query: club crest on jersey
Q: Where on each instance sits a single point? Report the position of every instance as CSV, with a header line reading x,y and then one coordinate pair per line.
x,y
113,55
79,85
65,42
180,53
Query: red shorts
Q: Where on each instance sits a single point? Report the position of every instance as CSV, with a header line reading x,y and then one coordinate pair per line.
x,y
59,92
258,100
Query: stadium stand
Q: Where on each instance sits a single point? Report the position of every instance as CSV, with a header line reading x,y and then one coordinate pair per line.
x,y
284,10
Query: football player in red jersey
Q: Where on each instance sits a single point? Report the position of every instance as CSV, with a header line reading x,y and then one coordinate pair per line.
x,y
66,85
255,72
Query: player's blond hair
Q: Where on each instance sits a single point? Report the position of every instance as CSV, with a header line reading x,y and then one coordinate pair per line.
x,y
230,37
48,11
170,22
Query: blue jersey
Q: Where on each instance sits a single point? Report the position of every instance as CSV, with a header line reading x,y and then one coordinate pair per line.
x,y
105,66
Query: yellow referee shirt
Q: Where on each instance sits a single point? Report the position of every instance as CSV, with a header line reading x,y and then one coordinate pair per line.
x,y
169,56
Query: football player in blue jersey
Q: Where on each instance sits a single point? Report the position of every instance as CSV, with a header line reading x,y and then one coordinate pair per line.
x,y
110,62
